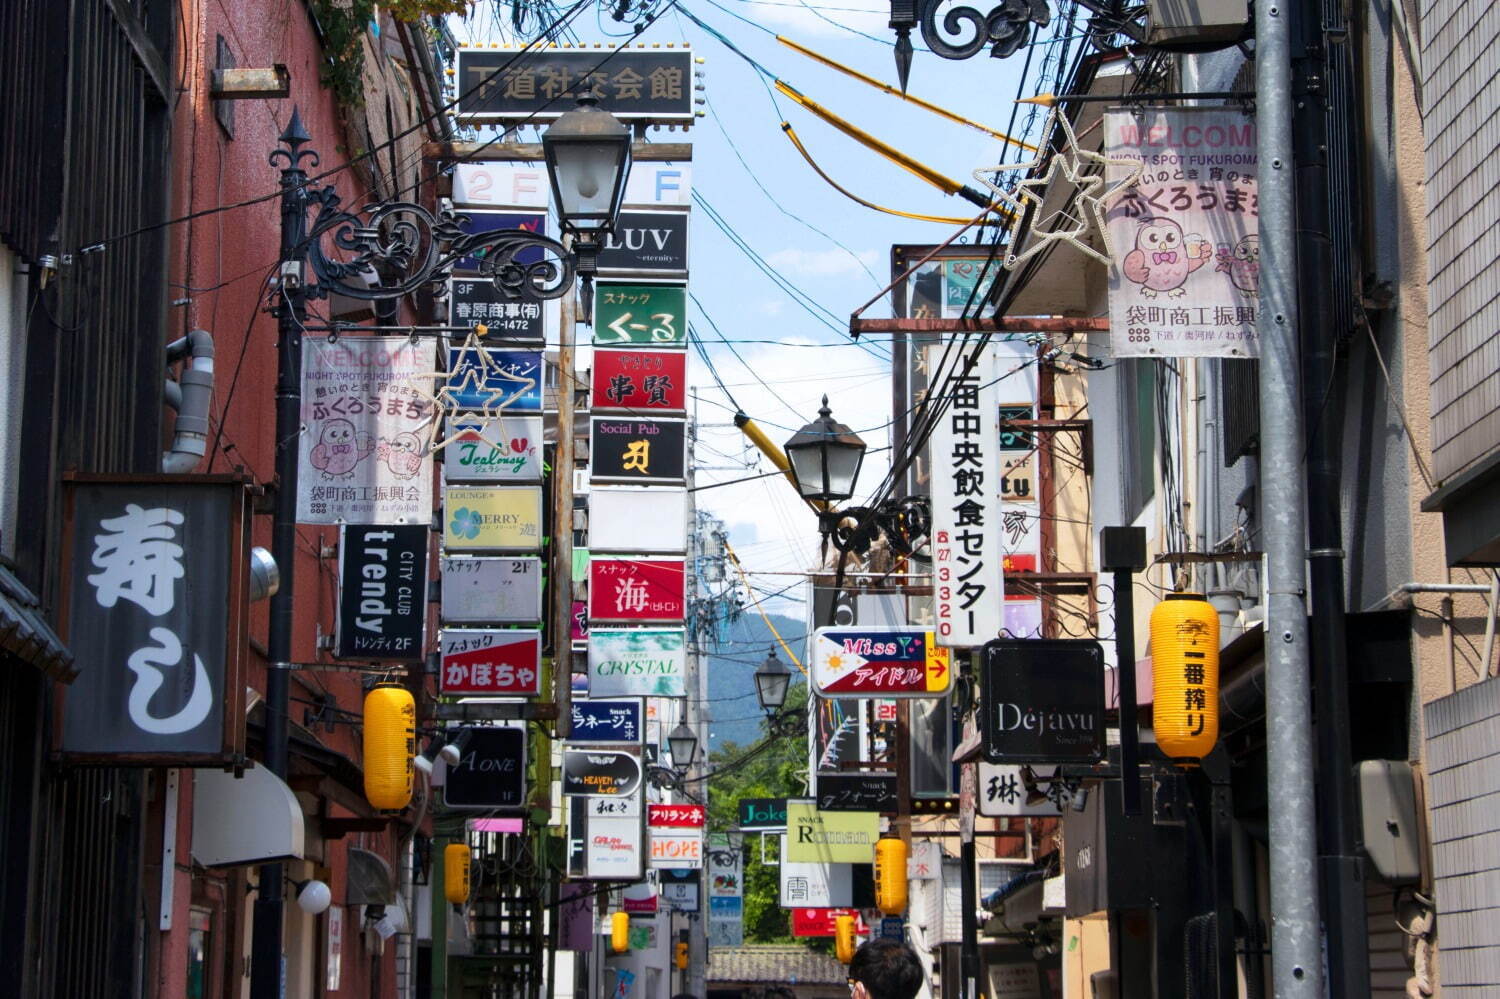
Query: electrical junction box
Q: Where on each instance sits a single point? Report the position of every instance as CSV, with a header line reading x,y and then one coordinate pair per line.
x,y
1388,806
1187,23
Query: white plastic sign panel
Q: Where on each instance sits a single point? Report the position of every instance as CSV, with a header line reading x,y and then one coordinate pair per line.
x,y
625,807
813,886
502,185
644,520
1002,792
612,849
659,184
677,848
491,590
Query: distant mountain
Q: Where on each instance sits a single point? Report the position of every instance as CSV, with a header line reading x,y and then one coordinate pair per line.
x,y
733,706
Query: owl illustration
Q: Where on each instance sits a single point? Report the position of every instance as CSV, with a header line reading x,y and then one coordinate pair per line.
x,y
1163,258
1242,264
402,454
339,449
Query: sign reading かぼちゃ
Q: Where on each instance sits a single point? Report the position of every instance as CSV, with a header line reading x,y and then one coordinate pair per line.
x,y
627,449
640,315
492,518
491,590
363,428
491,773
830,837
505,663
600,772
637,662
507,449
641,590
1044,701
879,662
642,381
382,613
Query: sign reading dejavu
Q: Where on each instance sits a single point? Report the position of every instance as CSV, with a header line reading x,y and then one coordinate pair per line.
x,y
1043,701
382,592
492,771
635,450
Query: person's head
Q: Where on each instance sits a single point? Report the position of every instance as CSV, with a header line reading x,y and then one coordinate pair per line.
x,y
884,969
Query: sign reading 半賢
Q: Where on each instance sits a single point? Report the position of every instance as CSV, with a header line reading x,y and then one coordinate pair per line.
x,y
156,619
1186,237
633,84
879,662
382,612
967,579
640,381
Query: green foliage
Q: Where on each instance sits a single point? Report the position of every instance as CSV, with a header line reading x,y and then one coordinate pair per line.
x,y
343,24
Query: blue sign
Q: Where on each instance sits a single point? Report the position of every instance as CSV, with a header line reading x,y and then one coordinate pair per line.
x,y
491,380
480,221
726,908
893,928
607,721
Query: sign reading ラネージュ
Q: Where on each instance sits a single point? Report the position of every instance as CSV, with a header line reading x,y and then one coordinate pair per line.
x,y
1186,237
1044,701
879,662
382,612
364,427
607,721
491,772
637,662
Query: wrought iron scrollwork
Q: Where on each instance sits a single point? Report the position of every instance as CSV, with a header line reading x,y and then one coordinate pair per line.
x,y
904,523
963,31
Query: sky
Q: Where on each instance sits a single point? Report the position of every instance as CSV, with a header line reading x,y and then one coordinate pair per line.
x,y
781,357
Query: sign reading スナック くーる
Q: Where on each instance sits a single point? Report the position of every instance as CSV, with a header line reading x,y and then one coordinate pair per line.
x,y
637,662
647,244
607,721
640,381
476,661
382,612
600,772
491,590
967,566
819,837
507,84
363,432
507,449
879,662
640,315
676,816
631,449
1186,238
156,619
636,591
492,518
491,773
1044,701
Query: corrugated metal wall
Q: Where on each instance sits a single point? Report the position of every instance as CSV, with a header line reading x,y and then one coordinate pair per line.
x,y
1461,88
1463,760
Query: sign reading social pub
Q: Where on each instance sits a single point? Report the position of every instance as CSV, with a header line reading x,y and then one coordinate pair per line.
x,y
625,449
382,613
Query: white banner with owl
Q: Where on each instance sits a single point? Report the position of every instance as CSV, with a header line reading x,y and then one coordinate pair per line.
x,y
1185,239
362,449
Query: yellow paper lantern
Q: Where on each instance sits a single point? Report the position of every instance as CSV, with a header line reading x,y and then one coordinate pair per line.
x,y
843,938
680,958
1185,675
390,743
456,872
890,876
619,932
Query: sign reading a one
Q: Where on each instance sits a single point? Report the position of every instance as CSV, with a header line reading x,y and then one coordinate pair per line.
x,y
607,721
492,518
676,816
762,813
651,244
879,662
1044,701
641,381
505,449
382,613
488,380
857,793
637,662
502,663
639,590
830,837
492,771
601,773
626,449
646,85
156,619
491,590
640,315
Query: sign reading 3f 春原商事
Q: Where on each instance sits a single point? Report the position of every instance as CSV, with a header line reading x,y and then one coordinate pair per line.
x,y
382,612
967,561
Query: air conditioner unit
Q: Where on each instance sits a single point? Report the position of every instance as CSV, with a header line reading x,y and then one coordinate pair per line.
x,y
1194,23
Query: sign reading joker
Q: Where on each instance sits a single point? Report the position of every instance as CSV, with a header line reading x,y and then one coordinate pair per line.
x,y
636,590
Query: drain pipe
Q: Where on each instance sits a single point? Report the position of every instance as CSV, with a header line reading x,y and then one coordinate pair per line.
x,y
189,396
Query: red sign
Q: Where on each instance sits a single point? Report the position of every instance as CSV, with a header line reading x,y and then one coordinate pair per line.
x,y
490,661
640,381
820,922
580,628
675,816
646,906
637,590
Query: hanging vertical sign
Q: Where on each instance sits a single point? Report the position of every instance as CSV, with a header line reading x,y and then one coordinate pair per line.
x,y
967,585
726,902
1186,237
382,612
363,423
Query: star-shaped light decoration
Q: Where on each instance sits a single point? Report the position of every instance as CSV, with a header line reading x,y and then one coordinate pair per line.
x,y
446,398
1093,193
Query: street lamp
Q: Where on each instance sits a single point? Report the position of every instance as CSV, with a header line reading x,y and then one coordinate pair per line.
x,y
771,683
683,745
588,160
825,458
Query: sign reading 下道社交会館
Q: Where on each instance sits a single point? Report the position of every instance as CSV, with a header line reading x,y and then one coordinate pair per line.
x,y
531,85
382,610
637,662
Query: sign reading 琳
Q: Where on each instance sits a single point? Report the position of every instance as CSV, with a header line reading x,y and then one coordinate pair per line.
x,y
879,662
1002,791
488,661
539,85
830,837
640,315
491,590
382,612
1044,701
492,771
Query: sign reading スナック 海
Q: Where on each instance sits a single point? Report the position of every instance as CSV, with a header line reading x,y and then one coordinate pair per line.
x,y
491,772
636,590
382,612
1186,238
155,619
676,816
879,662
637,662
600,772
477,661
633,84
647,244
607,721
1044,701
642,451
506,449
640,315
491,590
640,381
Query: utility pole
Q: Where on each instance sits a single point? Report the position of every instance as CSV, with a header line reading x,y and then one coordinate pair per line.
x,y
1296,945
695,711
562,522
267,975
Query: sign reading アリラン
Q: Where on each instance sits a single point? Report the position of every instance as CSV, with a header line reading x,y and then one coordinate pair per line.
x,y
815,837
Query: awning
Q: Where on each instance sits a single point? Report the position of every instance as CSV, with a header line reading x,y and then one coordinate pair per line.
x,y
246,820
25,633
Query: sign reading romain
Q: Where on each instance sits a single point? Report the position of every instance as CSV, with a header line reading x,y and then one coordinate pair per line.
x,y
830,837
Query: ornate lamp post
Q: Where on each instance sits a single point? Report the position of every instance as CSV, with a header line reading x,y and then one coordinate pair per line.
x,y
772,681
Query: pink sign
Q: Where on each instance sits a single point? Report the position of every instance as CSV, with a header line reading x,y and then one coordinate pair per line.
x,y
580,629
512,827
636,590
821,922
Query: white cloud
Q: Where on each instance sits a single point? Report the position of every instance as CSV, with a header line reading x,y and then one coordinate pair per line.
x,y
833,262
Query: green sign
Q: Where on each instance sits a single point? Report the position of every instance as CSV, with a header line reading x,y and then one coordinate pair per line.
x,y
762,813
640,314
